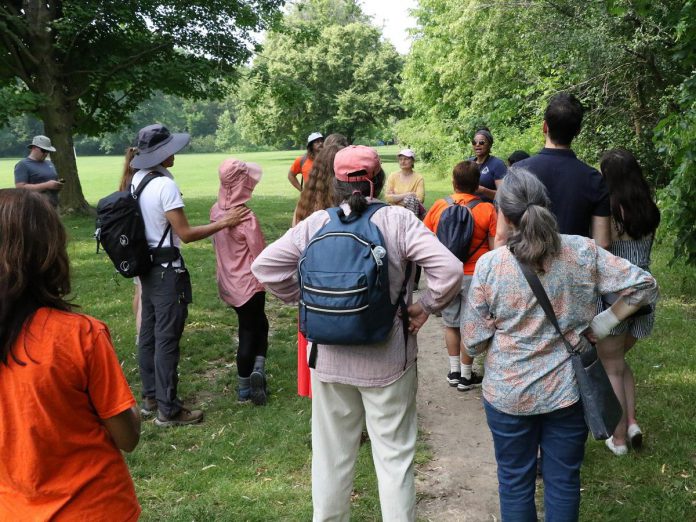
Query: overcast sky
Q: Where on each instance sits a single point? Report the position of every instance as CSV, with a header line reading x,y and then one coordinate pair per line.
x,y
393,16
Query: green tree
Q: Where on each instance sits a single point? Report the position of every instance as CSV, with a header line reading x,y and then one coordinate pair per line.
x,y
84,66
326,69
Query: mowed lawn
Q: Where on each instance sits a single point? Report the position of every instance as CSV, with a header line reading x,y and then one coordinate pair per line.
x,y
250,463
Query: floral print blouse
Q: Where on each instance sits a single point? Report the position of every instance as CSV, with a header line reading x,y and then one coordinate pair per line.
x,y
527,368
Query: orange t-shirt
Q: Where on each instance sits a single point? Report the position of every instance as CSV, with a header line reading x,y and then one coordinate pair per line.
x,y
58,460
485,220
305,169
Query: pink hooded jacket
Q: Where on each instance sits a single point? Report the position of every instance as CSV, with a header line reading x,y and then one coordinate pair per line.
x,y
237,247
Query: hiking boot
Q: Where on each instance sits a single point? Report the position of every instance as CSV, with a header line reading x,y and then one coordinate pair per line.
x,y
466,384
453,378
258,387
182,418
148,407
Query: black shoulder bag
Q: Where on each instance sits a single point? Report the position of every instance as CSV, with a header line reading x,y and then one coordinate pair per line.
x,y
600,405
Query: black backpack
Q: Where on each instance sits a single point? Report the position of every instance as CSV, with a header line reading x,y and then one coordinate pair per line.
x,y
121,231
455,229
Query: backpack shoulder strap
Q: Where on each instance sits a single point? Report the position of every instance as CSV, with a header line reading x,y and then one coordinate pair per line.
x,y
449,201
147,179
303,160
471,204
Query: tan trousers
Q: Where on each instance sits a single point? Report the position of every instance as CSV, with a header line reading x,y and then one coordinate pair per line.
x,y
338,414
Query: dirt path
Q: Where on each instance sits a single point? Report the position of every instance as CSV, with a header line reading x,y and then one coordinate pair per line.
x,y
459,483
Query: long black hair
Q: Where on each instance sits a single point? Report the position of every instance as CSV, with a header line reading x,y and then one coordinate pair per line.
x,y
34,267
632,206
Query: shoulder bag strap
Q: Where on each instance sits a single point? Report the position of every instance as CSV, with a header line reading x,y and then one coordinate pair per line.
x,y
543,300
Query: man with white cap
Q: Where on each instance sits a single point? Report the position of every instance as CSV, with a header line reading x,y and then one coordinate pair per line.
x,y
303,164
166,288
36,172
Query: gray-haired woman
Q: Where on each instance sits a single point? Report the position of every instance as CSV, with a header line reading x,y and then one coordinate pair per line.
x,y
530,392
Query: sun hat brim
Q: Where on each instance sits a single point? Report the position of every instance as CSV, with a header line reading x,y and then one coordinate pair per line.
x,y
146,159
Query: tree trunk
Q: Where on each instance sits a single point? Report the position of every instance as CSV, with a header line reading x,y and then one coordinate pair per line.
x,y
58,127
58,112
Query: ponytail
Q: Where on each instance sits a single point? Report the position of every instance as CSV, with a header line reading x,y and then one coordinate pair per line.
x,y
523,200
355,194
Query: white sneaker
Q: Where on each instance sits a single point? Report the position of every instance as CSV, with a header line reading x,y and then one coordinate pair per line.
x,y
635,436
616,450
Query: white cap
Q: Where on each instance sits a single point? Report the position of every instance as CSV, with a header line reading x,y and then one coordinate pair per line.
x,y
408,153
314,136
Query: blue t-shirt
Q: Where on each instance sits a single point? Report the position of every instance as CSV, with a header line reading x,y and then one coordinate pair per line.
x,y
491,169
32,172
577,191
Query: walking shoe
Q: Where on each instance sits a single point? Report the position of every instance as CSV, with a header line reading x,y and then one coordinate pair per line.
x,y
258,388
148,406
244,389
466,384
616,450
453,378
635,436
182,418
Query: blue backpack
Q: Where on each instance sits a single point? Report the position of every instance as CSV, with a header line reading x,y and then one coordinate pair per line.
x,y
455,229
344,283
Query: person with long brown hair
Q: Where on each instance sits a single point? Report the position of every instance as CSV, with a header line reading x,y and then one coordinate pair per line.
x,y
635,218
318,194
65,404
124,184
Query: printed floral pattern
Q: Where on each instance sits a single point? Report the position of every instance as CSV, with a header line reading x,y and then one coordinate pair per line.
x,y
527,371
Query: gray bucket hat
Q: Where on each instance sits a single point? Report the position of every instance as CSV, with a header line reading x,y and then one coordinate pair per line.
x,y
42,142
156,144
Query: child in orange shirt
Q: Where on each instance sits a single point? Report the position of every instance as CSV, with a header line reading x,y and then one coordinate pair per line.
x,y
465,181
66,407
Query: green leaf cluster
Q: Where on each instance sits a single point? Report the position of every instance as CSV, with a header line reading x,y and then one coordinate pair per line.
x,y
326,69
631,62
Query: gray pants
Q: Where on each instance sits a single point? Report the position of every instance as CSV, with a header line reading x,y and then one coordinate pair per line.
x,y
166,293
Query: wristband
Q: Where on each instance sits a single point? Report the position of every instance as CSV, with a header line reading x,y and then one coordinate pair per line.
x,y
603,323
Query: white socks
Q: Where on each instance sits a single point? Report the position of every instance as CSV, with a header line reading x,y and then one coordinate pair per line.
x,y
454,363
466,370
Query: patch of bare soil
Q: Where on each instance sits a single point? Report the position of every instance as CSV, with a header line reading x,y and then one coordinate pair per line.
x,y
459,483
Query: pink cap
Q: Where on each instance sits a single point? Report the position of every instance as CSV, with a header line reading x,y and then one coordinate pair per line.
x,y
355,158
408,153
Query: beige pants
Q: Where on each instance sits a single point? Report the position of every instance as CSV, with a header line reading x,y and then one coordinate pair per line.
x,y
338,414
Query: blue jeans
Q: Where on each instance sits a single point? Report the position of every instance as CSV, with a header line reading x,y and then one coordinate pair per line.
x,y
561,434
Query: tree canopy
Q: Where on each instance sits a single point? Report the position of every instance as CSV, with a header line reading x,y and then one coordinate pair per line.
x,y
631,62
327,68
84,66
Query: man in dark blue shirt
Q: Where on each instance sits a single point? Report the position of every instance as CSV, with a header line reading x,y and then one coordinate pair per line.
x,y
579,195
36,172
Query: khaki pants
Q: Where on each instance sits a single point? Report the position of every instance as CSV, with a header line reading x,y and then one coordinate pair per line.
x,y
338,414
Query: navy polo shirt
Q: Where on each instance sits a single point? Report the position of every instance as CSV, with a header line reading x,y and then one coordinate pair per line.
x,y
491,169
577,191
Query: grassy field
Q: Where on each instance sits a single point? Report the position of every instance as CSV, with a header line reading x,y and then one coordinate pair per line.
x,y
246,463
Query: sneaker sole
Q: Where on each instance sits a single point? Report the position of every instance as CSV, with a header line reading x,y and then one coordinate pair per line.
x,y
173,423
258,388
452,382
147,413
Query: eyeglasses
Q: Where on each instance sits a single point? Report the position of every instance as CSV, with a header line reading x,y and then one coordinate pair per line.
x,y
480,142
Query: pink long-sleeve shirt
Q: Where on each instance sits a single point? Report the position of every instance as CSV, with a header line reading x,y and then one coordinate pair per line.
x,y
406,239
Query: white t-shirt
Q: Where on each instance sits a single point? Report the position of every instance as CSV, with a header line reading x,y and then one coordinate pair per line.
x,y
161,195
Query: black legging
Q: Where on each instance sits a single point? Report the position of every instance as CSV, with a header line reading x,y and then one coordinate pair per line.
x,y
253,333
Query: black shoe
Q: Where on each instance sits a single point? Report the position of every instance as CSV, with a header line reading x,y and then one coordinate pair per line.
x,y
258,388
466,384
453,378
